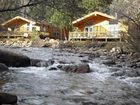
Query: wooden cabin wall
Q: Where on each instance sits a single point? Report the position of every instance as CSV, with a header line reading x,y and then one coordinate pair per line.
x,y
89,21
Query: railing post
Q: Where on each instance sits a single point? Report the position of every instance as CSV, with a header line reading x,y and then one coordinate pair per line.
x,y
120,37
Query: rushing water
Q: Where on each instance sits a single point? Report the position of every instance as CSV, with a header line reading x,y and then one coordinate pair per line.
x,y
40,86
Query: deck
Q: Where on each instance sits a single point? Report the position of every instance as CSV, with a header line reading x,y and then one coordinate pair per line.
x,y
94,36
7,34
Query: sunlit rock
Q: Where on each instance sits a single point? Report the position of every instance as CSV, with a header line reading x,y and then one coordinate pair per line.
x,y
116,50
41,63
109,62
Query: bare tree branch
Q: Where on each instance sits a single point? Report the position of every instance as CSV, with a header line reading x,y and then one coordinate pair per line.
x,y
30,3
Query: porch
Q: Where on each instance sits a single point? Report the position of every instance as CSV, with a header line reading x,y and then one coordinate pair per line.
x,y
103,36
17,34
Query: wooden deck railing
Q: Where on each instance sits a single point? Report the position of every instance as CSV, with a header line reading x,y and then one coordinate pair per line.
x,y
95,35
7,34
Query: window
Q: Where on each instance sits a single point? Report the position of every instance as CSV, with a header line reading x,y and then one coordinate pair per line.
x,y
28,28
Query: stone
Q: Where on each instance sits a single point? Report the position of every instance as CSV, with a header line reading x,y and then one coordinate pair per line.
x,y
132,73
109,62
116,50
85,61
132,65
80,68
119,73
41,63
51,43
52,68
114,69
3,67
6,98
60,66
47,44
138,64
12,59
54,43
89,103
138,71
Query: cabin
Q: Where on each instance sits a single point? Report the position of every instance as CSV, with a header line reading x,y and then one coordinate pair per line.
x,y
20,26
99,26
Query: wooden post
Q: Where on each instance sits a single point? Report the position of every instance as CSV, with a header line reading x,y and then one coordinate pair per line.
x,y
106,39
120,39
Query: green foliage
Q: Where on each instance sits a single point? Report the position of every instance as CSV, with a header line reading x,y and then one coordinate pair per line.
x,y
90,5
96,5
33,35
60,19
58,12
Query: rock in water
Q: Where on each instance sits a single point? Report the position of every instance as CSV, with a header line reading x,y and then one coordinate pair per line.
x,y
6,98
10,58
3,67
81,68
109,62
41,63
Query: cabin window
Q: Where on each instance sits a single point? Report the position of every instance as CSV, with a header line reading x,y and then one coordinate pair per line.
x,y
28,28
114,31
88,29
56,34
113,28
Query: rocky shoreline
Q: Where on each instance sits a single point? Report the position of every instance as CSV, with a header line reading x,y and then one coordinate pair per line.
x,y
15,42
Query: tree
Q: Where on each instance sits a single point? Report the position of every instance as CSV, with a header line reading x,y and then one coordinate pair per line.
x,y
96,5
11,8
13,5
130,11
59,12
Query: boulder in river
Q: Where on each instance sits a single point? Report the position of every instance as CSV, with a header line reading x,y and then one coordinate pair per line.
x,y
138,64
41,63
12,59
132,73
80,68
6,98
109,62
3,67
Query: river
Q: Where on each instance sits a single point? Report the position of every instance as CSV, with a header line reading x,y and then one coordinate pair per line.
x,y
41,86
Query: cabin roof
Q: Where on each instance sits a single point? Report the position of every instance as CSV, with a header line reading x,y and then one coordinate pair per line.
x,y
93,16
16,21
